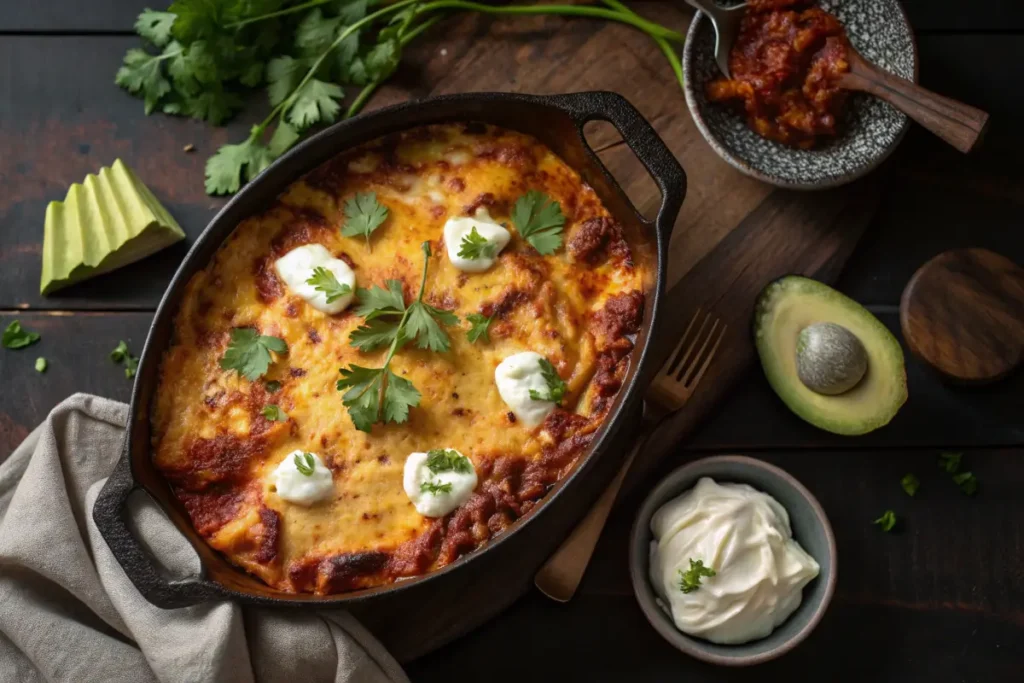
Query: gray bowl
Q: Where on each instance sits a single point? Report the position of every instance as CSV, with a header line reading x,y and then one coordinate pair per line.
x,y
869,132
811,529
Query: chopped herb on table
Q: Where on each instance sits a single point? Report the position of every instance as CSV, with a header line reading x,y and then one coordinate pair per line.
x,y
248,352
556,387
887,521
17,337
967,482
479,325
910,484
201,57
689,580
121,355
950,462
41,364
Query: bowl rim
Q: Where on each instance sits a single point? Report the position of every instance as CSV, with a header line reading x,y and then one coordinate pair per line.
x,y
639,562
741,164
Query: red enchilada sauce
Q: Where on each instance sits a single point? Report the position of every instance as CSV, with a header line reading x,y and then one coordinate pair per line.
x,y
785,66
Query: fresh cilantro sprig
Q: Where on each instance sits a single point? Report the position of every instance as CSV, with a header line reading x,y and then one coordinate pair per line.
x,y
305,463
122,355
363,215
202,55
689,580
475,246
248,352
479,328
434,488
539,219
378,395
324,281
556,387
17,337
887,521
448,460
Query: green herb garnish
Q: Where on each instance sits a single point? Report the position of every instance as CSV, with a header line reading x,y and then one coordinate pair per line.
x,y
887,521
272,386
950,462
448,460
480,323
16,337
274,413
539,219
305,463
41,364
476,246
248,352
120,354
689,580
556,387
967,482
324,281
363,215
910,484
434,488
377,394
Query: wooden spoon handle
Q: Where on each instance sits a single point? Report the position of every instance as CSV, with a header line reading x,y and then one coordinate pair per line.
x,y
959,124
561,574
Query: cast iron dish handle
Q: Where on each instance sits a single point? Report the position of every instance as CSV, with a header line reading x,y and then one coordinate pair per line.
x,y
111,516
642,140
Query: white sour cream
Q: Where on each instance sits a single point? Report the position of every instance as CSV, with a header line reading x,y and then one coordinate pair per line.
x,y
745,537
457,228
303,489
515,377
297,266
454,490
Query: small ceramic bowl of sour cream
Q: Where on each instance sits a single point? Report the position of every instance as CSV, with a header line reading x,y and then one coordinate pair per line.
x,y
732,560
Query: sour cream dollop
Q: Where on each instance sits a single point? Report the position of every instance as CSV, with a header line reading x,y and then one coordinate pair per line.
x,y
515,377
435,494
745,537
297,266
304,489
455,229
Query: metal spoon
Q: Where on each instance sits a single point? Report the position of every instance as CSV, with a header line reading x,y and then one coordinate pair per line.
x,y
726,21
959,124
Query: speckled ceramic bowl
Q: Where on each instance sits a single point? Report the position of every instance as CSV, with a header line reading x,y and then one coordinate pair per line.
x,y
869,131
811,529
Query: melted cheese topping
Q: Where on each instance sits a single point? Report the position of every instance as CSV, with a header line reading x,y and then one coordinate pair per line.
x,y
216,449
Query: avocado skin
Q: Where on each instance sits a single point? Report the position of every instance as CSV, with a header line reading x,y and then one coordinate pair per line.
x,y
828,412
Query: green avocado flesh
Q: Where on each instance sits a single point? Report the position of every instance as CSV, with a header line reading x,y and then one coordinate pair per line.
x,y
108,221
789,305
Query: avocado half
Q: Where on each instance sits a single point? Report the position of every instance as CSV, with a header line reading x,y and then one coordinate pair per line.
x,y
787,306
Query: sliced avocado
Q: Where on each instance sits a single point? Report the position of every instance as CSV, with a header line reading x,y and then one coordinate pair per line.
x,y
108,221
786,308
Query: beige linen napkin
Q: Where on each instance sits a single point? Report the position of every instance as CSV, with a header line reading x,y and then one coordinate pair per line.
x,y
69,613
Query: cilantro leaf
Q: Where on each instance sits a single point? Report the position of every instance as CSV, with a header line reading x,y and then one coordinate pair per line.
x,y
887,521
476,246
950,462
305,464
155,26
377,301
448,460
315,33
213,105
283,76
478,331
967,482
131,365
315,102
382,59
910,484
363,396
422,326
363,215
282,140
434,488
16,337
41,364
226,168
141,74
556,387
373,335
121,354
689,580
324,281
399,396
248,352
352,11
539,219
195,19
274,413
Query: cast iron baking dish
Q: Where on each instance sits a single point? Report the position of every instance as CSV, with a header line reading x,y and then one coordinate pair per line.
x,y
558,122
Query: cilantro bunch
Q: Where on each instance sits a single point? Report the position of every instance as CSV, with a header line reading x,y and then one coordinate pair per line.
x,y
206,54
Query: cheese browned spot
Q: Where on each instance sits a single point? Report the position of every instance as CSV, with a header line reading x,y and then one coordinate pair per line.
x,y
577,308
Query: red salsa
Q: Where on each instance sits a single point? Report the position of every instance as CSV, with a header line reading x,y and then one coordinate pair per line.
x,y
785,67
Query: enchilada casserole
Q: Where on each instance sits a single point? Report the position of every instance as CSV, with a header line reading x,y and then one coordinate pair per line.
x,y
397,359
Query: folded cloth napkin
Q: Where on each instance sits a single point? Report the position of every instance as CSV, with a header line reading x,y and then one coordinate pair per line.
x,y
69,613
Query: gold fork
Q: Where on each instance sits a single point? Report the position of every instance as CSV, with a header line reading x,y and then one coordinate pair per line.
x,y
671,389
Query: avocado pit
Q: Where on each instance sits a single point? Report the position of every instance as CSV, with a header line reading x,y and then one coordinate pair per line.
x,y
830,359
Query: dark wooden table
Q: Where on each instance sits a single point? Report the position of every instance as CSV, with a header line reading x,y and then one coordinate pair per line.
x,y
942,600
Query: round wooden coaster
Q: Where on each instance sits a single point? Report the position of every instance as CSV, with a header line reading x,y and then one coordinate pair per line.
x,y
963,314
